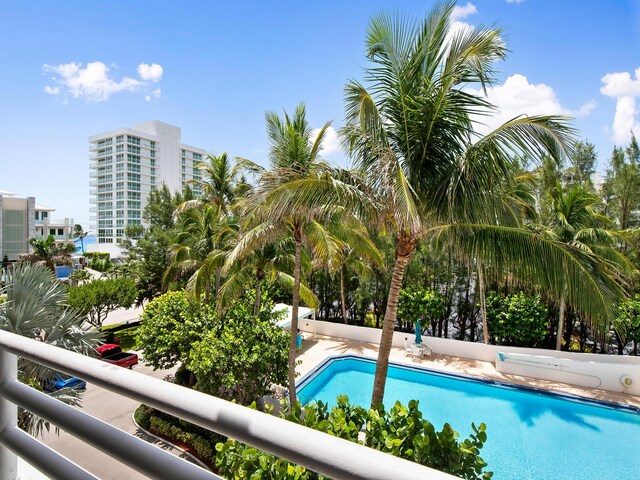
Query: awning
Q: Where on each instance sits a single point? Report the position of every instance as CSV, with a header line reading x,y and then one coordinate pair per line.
x,y
303,312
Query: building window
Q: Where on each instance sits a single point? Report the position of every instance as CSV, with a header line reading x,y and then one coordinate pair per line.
x,y
61,231
120,139
133,140
52,231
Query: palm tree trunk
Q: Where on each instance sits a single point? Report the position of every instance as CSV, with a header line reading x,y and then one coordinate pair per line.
x,y
294,321
207,291
560,324
483,303
256,309
404,252
342,296
217,281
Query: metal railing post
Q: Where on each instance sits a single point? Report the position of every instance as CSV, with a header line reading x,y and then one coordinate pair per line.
x,y
8,415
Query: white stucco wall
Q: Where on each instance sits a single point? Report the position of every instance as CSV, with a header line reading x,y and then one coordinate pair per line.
x,y
584,369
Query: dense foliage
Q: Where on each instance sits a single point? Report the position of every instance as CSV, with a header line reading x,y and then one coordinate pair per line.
x,y
233,354
517,319
171,325
98,298
401,431
99,261
416,303
35,308
243,356
627,324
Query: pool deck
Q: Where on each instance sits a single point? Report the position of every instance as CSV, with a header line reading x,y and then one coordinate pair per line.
x,y
317,348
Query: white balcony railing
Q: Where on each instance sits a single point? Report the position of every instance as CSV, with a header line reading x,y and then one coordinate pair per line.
x,y
320,452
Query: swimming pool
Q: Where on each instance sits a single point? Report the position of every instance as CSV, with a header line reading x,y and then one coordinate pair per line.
x,y
531,434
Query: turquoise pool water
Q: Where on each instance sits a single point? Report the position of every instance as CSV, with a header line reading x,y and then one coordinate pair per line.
x,y
531,435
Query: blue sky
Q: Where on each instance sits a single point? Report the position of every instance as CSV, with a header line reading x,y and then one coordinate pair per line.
x,y
223,65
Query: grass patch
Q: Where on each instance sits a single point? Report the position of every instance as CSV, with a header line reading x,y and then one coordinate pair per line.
x,y
125,338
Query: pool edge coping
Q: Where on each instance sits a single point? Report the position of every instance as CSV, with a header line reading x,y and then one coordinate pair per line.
x,y
307,377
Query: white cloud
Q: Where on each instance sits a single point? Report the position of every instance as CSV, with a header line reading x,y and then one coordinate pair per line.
x,y
464,11
51,90
157,93
92,82
515,1
624,89
516,96
151,72
331,143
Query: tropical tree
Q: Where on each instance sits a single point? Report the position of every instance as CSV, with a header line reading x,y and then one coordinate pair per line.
x,y
199,250
49,252
572,220
272,263
411,131
35,308
284,205
222,181
356,253
80,234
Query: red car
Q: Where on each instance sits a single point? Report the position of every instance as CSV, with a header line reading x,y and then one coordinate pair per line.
x,y
112,353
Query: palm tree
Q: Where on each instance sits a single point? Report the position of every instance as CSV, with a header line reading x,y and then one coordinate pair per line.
x,y
285,205
34,308
412,134
78,232
200,248
571,219
222,182
356,252
271,262
49,252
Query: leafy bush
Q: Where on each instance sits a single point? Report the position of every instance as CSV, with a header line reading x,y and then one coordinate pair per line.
x,y
518,319
99,297
417,303
401,431
199,441
171,325
100,261
236,355
142,416
626,324
243,355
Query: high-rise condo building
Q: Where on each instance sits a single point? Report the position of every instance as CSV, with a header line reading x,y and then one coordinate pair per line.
x,y
127,164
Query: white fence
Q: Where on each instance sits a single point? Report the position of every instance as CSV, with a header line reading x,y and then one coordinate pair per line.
x,y
584,369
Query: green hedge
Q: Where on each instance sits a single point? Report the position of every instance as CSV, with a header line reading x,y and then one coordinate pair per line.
x,y
200,442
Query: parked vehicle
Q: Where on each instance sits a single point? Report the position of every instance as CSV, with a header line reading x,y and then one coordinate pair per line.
x,y
62,380
112,353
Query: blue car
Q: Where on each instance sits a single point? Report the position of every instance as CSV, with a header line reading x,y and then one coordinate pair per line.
x,y
61,380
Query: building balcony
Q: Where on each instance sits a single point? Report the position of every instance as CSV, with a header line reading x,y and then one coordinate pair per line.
x,y
331,456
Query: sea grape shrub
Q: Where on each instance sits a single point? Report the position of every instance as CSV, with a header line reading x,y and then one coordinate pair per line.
x,y
401,431
243,355
517,319
418,303
170,325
